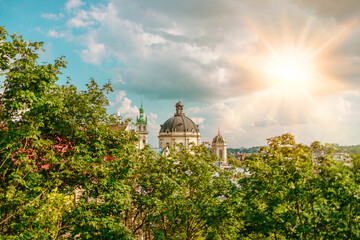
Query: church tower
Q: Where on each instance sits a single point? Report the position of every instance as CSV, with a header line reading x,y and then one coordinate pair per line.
x,y
141,128
218,148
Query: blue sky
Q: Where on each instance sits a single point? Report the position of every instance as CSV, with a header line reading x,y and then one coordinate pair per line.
x,y
253,68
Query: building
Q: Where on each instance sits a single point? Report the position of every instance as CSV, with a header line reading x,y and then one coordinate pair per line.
x,y
218,147
141,128
179,129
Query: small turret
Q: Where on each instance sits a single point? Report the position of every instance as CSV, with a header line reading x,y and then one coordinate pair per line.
x,y
141,128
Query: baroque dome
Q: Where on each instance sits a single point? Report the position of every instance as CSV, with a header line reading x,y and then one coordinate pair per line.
x,y
219,139
179,122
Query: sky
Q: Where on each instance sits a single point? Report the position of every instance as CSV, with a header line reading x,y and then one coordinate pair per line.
x,y
253,68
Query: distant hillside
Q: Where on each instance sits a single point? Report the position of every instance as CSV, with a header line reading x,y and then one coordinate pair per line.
x,y
233,151
354,149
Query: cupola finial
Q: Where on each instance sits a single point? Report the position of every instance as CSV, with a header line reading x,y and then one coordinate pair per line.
x,y
179,108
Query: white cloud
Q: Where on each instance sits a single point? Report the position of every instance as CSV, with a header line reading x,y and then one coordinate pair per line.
x,y
153,127
94,54
55,34
198,120
81,19
126,110
71,4
120,96
52,16
76,22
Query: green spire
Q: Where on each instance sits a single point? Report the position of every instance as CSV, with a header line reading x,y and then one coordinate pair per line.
x,y
141,108
142,118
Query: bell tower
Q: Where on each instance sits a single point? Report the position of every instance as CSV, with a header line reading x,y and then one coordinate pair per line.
x,y
141,128
219,148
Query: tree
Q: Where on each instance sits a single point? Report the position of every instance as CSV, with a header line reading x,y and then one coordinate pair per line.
x,y
292,195
55,139
179,196
233,161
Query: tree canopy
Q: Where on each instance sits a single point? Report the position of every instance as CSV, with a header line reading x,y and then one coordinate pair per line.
x,y
291,194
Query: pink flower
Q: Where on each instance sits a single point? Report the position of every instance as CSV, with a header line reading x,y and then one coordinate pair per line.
x,y
45,166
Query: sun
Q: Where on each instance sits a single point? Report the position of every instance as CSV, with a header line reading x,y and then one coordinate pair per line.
x,y
296,61
288,67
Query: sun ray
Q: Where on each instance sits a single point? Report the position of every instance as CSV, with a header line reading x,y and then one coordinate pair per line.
x,y
292,70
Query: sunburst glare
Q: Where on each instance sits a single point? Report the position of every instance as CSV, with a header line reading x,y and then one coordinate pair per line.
x,y
292,68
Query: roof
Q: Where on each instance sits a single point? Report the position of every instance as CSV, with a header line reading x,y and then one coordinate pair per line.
x,y
219,138
179,122
122,127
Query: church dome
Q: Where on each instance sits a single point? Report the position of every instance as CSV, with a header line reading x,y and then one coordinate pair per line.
x,y
179,122
219,139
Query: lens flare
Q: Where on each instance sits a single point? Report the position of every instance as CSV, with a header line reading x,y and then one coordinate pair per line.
x,y
298,60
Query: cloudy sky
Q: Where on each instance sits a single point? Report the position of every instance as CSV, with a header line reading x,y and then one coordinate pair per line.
x,y
253,68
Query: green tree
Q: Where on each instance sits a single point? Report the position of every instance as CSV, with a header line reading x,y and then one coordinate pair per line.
x,y
291,194
233,161
54,139
179,196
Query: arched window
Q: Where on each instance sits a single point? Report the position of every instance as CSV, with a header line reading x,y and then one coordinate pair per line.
x,y
221,154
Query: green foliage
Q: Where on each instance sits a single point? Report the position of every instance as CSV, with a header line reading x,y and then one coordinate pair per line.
x,y
233,161
291,195
55,139
178,196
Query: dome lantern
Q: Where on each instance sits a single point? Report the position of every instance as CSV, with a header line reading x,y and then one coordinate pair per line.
x,y
179,108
